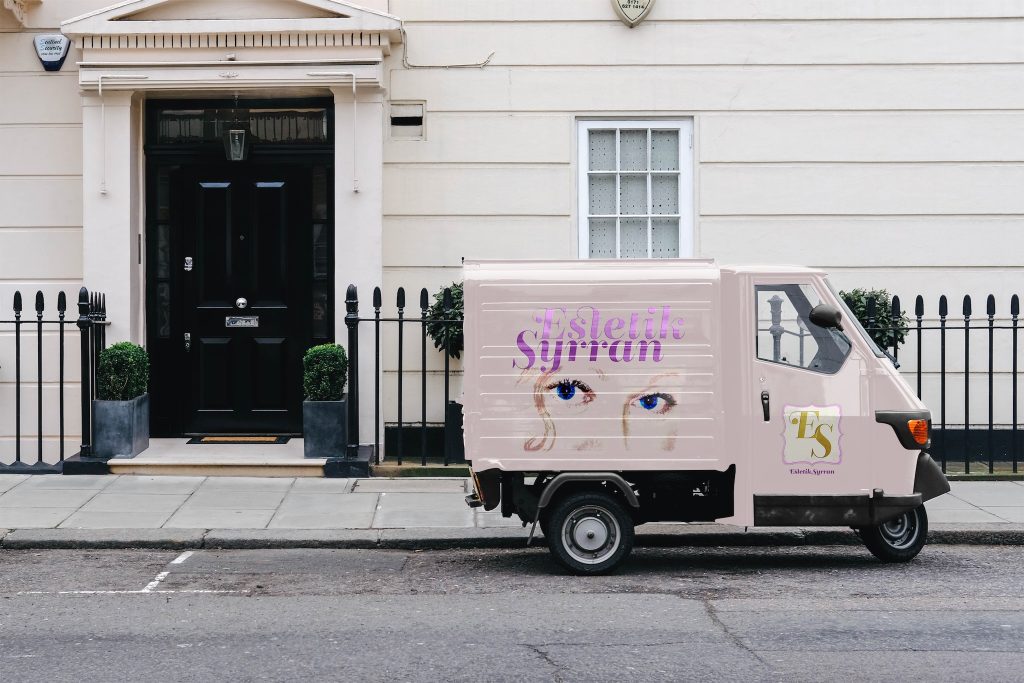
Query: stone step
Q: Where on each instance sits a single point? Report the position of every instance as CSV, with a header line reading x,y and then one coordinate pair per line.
x,y
220,467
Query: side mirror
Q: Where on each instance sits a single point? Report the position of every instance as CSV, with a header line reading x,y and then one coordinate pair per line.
x,y
827,316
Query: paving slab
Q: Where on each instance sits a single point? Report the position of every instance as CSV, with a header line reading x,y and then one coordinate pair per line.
x,y
192,517
246,484
325,511
83,481
1013,514
986,493
130,503
291,538
414,510
410,485
128,483
948,501
493,519
9,481
237,499
46,498
321,485
33,518
137,519
962,516
105,538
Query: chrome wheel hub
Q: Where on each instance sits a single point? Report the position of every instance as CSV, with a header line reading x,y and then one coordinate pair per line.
x,y
591,534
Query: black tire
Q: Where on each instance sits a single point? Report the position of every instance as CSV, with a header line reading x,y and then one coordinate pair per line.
x,y
900,539
591,533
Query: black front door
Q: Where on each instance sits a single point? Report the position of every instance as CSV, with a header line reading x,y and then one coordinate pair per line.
x,y
246,297
239,273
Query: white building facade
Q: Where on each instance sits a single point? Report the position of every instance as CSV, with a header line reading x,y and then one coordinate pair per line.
x,y
881,141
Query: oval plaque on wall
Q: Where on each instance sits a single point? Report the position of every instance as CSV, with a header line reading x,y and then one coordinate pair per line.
x,y
632,12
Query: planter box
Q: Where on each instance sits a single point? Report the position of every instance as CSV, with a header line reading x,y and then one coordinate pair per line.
x,y
120,428
324,430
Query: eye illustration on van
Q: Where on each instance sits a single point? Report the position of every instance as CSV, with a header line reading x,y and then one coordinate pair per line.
x,y
649,415
572,391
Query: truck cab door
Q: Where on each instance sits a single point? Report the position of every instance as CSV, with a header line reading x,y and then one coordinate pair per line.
x,y
807,392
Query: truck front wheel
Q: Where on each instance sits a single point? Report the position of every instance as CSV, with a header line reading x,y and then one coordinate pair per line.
x,y
591,532
899,539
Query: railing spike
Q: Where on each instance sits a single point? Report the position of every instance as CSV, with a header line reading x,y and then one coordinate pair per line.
x,y
424,299
896,308
1015,305
446,299
990,305
943,306
40,303
919,306
967,305
62,302
17,302
400,299
376,297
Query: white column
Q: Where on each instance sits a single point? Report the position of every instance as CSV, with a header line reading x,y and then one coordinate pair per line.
x,y
358,225
110,210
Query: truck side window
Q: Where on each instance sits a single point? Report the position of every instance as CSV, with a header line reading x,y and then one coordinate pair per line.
x,y
786,335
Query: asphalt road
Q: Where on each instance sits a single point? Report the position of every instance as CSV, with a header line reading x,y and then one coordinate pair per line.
x,y
719,614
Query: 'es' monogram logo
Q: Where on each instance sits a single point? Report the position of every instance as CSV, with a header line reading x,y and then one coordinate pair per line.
x,y
811,434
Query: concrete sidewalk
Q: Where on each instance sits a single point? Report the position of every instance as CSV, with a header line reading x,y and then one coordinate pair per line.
x,y
120,511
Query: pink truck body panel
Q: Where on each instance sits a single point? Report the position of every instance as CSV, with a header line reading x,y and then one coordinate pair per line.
x,y
661,365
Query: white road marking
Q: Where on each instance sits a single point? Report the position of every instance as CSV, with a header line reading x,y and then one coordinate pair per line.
x,y
155,582
138,592
181,558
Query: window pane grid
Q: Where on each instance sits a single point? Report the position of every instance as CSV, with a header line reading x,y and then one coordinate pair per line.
x,y
645,168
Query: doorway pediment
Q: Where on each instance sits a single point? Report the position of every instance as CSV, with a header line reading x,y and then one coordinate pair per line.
x,y
229,17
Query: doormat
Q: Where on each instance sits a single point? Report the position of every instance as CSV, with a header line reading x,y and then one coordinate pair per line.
x,y
238,439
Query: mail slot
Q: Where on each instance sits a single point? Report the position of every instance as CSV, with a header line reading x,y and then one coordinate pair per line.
x,y
242,321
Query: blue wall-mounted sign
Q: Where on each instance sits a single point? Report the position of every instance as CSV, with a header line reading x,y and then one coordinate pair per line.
x,y
52,50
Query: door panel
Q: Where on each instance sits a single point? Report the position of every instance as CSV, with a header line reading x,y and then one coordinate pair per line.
x,y
814,437
246,299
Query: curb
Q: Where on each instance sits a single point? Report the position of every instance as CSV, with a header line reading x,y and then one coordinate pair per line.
x,y
655,536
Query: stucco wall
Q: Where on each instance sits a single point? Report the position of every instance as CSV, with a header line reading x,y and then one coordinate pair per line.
x,y
880,140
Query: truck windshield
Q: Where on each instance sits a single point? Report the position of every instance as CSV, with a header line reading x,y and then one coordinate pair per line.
x,y
851,319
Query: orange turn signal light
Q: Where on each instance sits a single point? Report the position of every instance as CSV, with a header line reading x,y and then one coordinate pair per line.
x,y
919,430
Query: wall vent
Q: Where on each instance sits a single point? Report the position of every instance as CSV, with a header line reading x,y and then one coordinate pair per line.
x,y
407,121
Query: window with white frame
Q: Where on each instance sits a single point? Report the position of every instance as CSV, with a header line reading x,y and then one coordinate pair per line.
x,y
636,189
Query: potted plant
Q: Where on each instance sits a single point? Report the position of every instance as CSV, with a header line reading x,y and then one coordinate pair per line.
x,y
444,326
324,371
121,412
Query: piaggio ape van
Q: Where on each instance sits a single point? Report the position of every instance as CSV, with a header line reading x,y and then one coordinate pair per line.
x,y
600,395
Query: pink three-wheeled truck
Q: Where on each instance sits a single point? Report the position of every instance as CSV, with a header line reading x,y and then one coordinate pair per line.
x,y
604,394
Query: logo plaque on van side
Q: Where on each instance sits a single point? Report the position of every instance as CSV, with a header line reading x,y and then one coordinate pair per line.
x,y
811,434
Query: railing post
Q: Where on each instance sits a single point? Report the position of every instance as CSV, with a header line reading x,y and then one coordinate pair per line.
x,y
85,331
1014,312
943,312
967,384
40,305
990,310
919,314
895,315
400,304
17,377
446,305
352,323
62,307
376,374
424,312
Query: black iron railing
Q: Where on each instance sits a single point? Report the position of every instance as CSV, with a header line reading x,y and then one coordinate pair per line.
x,y
439,441
29,328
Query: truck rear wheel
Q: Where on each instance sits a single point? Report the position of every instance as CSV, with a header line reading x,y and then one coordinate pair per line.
x,y
899,539
591,532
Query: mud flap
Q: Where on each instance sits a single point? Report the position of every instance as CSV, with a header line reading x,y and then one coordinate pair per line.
x,y
929,480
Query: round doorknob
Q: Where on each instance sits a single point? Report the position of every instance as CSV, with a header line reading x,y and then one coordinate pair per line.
x,y
240,302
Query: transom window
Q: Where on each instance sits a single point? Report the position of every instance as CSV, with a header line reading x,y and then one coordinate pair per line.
x,y
635,189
